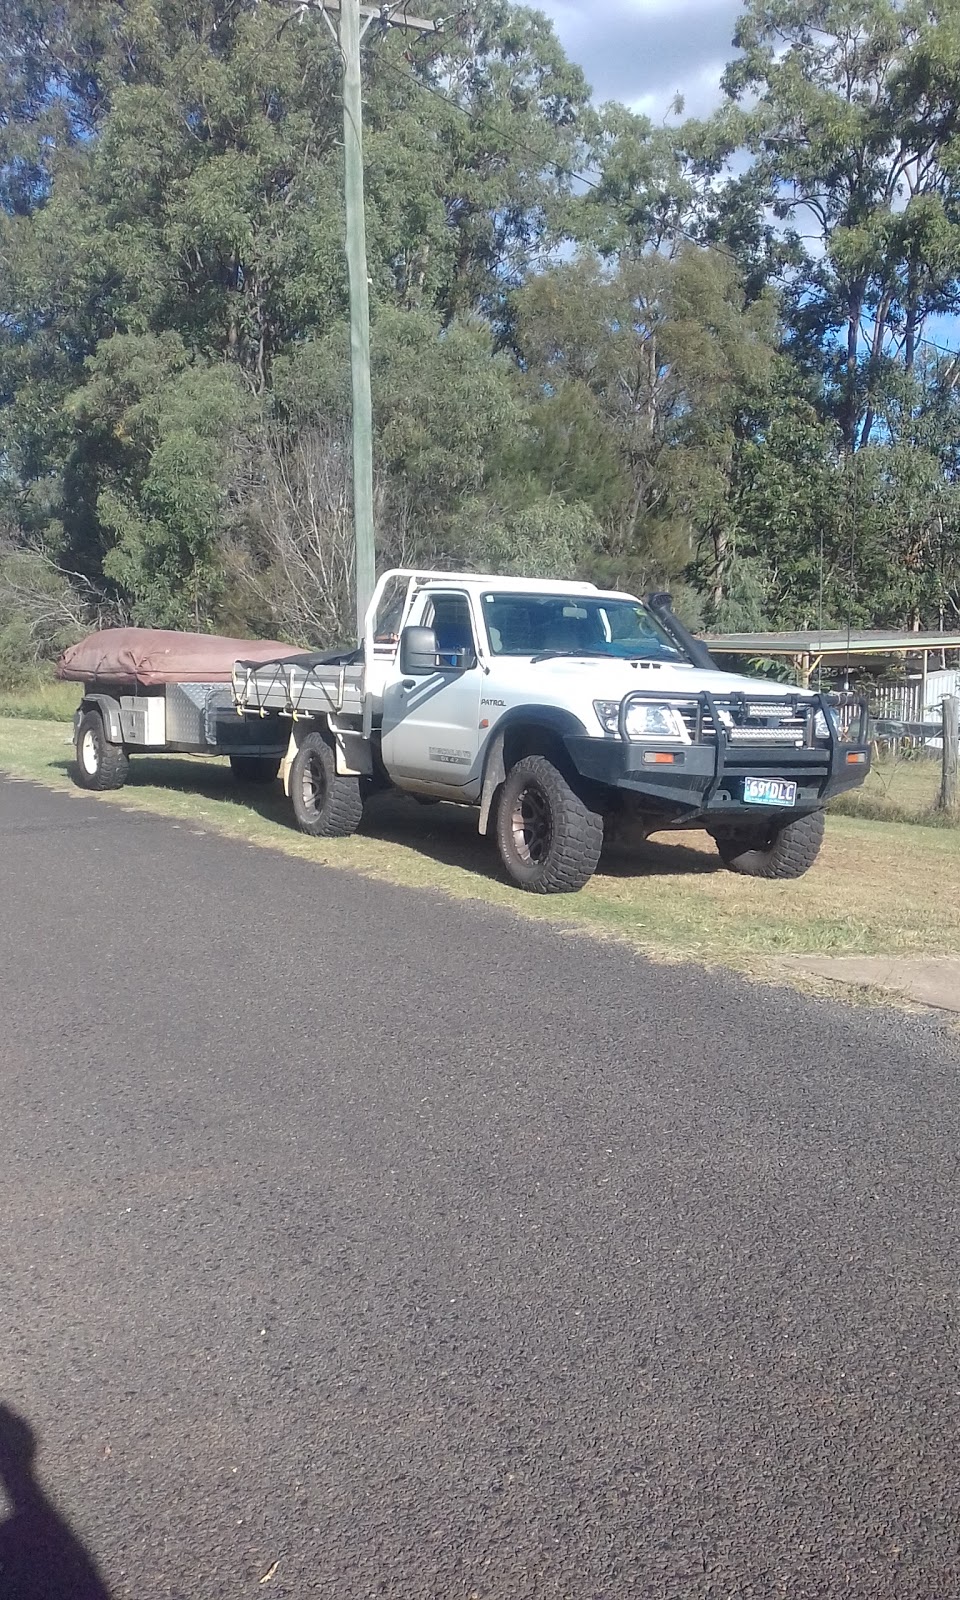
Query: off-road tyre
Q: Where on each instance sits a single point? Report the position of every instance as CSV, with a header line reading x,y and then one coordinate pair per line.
x,y
255,769
774,849
99,764
549,839
326,804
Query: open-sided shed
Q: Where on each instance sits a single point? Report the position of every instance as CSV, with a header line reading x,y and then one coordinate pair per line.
x,y
808,649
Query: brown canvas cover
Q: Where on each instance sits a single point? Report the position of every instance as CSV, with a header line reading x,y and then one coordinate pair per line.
x,y
150,656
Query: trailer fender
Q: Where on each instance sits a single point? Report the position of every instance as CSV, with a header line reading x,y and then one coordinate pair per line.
x,y
109,710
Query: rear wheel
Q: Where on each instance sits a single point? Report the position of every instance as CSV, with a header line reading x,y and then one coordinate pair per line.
x,y
774,849
549,840
326,804
100,764
255,769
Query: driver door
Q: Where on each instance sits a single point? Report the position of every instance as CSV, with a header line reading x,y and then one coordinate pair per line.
x,y
430,726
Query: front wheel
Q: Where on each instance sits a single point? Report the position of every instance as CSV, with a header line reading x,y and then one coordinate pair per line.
x,y
100,764
549,840
326,804
774,849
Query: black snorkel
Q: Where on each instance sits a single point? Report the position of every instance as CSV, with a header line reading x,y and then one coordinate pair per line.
x,y
661,606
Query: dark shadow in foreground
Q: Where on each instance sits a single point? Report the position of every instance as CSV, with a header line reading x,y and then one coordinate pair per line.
x,y
444,833
41,1558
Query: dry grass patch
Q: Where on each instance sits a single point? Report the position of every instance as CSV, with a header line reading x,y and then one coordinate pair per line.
x,y
879,887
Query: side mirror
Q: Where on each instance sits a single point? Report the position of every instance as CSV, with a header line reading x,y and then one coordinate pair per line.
x,y
418,650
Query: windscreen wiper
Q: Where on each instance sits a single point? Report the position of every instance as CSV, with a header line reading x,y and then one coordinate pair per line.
x,y
550,655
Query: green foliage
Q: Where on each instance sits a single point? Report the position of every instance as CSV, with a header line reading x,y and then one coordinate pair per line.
x,y
853,126
642,372
40,613
657,378
39,698
446,404
162,431
545,539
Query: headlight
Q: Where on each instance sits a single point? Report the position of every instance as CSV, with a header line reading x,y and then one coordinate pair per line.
x,y
820,729
643,721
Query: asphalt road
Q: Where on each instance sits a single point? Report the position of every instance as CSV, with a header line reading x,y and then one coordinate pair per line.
x,y
397,1247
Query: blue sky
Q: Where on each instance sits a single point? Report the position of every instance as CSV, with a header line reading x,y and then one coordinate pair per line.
x,y
643,52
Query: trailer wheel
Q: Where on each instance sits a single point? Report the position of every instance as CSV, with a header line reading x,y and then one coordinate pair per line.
x,y
774,849
326,804
255,769
549,840
99,764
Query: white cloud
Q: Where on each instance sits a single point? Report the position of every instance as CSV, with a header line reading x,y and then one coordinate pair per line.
x,y
700,91
644,52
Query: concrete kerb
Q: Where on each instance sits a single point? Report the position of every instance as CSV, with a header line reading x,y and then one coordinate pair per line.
x,y
926,980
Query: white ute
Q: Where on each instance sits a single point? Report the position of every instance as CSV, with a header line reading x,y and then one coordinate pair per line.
x,y
559,710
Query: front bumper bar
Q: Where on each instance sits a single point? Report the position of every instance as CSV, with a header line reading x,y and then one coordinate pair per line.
x,y
705,779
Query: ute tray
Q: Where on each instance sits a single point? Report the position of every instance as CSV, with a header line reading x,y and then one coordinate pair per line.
x,y
321,683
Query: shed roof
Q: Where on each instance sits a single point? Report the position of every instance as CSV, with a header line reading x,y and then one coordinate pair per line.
x,y
833,643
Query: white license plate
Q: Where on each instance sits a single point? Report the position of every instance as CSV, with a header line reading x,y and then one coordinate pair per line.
x,y
769,792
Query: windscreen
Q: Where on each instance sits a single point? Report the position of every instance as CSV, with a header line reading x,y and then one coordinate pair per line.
x,y
535,624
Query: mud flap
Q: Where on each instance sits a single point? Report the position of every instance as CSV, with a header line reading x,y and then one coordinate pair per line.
x,y
493,776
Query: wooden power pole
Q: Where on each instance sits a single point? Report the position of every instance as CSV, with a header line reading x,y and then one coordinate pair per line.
x,y
353,21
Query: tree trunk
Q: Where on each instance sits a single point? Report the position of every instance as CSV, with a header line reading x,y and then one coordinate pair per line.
x,y
910,339
721,543
849,413
867,428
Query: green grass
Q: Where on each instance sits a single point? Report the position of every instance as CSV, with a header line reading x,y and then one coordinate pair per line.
x,y
898,790
878,888
44,700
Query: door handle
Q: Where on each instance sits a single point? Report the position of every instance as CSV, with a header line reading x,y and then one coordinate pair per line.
x,y
408,683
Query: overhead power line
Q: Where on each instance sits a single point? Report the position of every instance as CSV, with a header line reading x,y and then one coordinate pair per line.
x,y
397,15
589,178
507,136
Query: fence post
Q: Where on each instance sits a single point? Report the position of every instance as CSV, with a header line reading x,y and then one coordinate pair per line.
x,y
950,777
